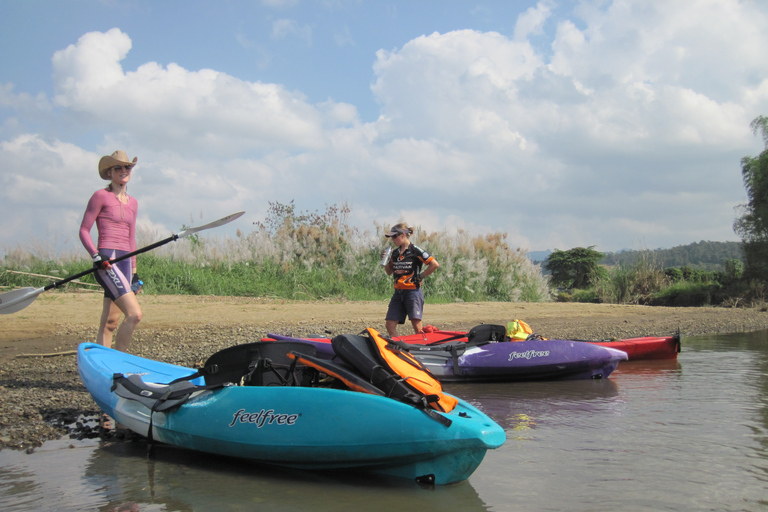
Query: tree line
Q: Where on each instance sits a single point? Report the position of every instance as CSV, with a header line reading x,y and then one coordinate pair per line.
x,y
703,255
696,274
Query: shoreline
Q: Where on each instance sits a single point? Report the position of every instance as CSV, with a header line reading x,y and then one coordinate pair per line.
x,y
43,393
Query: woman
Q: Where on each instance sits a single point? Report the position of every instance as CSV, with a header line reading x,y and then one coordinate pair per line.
x,y
114,213
405,263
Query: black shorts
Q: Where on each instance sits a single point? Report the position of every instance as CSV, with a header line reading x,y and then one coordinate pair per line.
x,y
404,303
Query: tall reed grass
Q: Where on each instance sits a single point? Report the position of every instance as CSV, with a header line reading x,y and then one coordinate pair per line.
x,y
311,256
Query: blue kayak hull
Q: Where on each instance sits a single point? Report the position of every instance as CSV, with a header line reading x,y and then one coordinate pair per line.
x,y
298,427
506,361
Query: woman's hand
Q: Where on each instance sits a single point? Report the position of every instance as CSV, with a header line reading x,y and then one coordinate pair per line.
x,y
101,263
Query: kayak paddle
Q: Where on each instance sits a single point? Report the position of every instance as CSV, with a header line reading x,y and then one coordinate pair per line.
x,y
16,300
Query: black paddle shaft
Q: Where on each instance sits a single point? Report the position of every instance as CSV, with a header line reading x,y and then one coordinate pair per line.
x,y
115,260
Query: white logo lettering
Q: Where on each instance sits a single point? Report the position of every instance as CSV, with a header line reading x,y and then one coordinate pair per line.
x,y
115,279
529,354
263,417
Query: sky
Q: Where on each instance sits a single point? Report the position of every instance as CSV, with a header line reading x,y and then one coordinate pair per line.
x,y
618,124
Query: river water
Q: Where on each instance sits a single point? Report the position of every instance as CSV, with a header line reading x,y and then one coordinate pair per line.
x,y
681,435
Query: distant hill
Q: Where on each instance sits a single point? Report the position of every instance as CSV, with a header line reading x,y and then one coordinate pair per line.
x,y
702,255
538,256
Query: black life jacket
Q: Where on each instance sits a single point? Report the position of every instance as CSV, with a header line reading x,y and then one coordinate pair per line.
x,y
396,372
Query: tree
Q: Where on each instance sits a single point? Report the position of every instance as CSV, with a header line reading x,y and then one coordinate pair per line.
x,y
734,269
752,226
575,268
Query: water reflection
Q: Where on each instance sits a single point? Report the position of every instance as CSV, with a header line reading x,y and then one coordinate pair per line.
x,y
182,480
48,479
118,475
762,433
518,405
656,367
757,346
22,484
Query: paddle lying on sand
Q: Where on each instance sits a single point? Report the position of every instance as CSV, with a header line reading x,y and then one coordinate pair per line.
x,y
16,300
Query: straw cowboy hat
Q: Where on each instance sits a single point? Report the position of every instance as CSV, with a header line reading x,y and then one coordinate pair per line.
x,y
117,158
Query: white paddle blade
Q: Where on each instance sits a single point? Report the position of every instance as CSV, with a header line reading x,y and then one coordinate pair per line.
x,y
16,300
214,224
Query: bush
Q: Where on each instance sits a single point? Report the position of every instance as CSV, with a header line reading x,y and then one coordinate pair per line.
x,y
585,296
687,294
632,284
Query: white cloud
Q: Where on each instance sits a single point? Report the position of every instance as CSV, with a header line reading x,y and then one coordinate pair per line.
x,y
629,128
285,28
22,101
41,188
201,110
531,22
343,37
427,85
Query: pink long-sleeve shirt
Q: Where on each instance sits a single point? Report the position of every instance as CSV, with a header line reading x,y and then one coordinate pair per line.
x,y
115,222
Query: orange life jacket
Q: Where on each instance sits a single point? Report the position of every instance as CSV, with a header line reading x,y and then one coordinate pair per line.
x,y
415,374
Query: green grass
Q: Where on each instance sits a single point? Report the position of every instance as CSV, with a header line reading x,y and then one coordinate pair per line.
x,y
253,279
688,294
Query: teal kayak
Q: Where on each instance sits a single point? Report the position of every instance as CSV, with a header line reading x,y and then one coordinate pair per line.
x,y
298,426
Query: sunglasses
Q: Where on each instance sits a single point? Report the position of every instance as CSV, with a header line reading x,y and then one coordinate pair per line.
x,y
118,167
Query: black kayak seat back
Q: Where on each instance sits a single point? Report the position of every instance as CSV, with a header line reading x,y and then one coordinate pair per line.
x,y
487,333
263,363
157,397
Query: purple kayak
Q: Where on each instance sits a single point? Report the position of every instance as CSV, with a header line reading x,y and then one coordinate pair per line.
x,y
459,361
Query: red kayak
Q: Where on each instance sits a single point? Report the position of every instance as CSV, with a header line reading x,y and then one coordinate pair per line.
x,y
648,347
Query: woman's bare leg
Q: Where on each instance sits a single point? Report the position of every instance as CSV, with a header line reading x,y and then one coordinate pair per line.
x,y
129,305
110,316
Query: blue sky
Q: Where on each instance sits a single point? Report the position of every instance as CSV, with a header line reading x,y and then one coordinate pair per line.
x,y
618,124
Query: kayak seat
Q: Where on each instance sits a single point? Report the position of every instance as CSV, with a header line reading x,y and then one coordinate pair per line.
x,y
274,367
263,363
157,397
486,333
